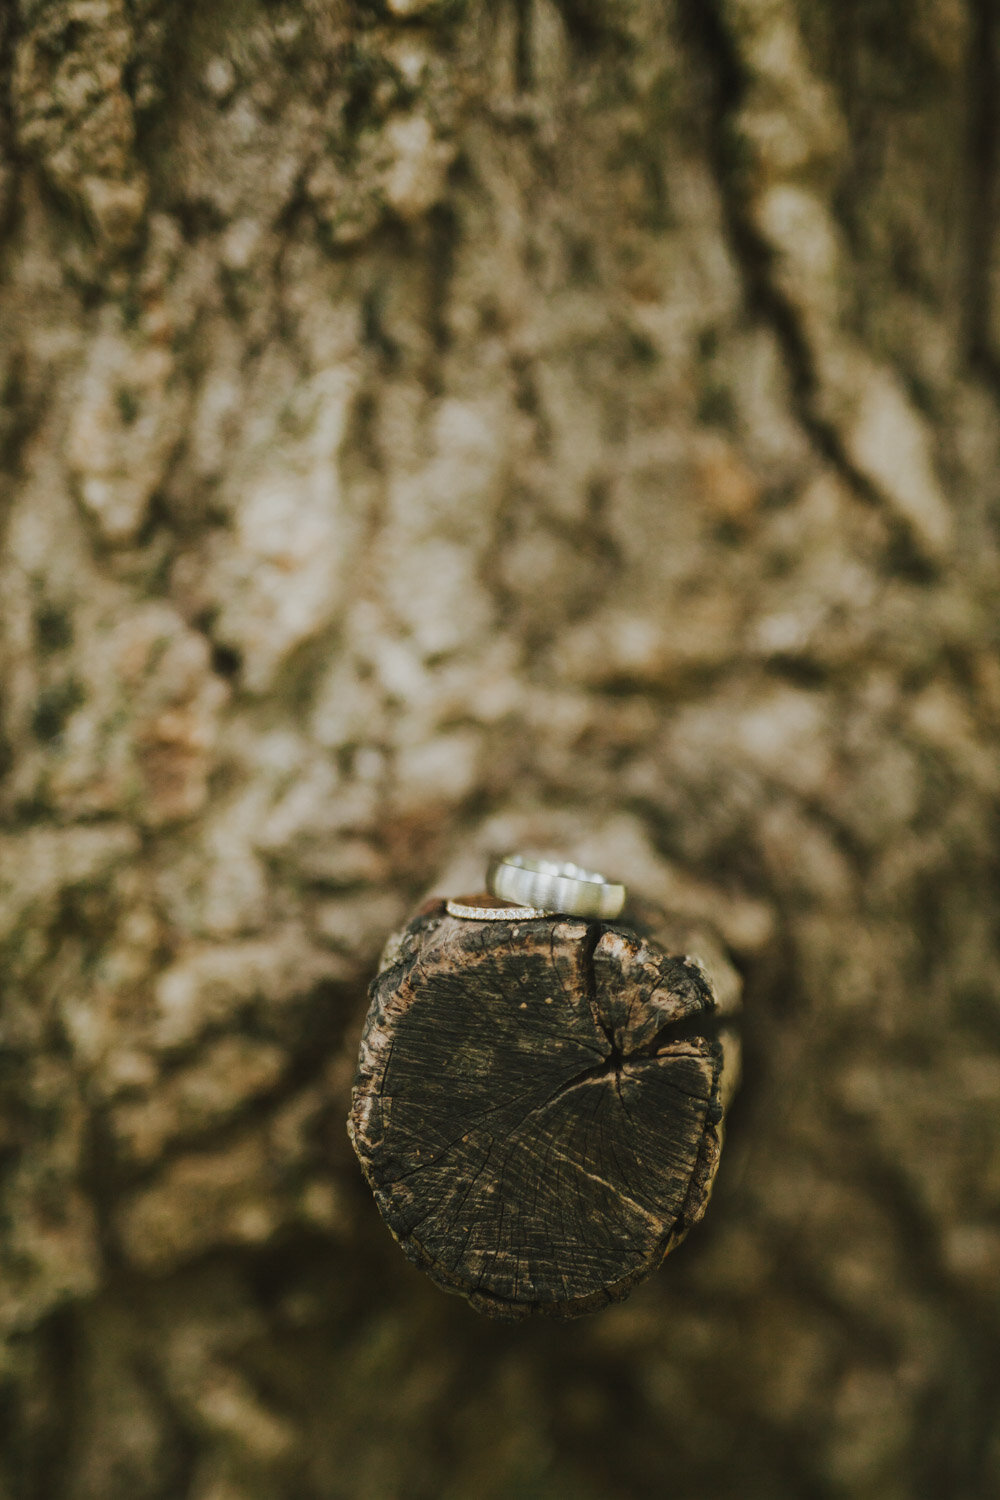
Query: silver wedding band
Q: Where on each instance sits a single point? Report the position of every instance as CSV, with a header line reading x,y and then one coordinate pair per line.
x,y
554,886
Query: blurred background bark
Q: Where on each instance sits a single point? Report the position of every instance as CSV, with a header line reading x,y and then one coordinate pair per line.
x,y
431,426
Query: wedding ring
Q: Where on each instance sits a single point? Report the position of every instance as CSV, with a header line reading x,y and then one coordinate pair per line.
x,y
494,913
554,886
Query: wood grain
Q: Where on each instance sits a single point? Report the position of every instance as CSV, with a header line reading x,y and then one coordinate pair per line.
x,y
538,1106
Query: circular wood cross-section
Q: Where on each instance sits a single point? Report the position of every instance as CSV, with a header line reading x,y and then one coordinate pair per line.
x,y
537,1106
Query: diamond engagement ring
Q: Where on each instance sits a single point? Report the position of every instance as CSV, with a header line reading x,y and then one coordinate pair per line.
x,y
554,886
483,912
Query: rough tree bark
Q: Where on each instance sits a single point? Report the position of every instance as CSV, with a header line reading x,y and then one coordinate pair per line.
x,y
435,426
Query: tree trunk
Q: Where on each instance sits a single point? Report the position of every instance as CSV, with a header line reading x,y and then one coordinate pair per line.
x,y
430,428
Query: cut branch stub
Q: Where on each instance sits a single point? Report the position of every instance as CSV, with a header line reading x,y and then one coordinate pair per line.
x,y
538,1106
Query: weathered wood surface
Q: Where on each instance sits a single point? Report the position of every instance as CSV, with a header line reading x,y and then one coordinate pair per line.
x,y
538,1106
